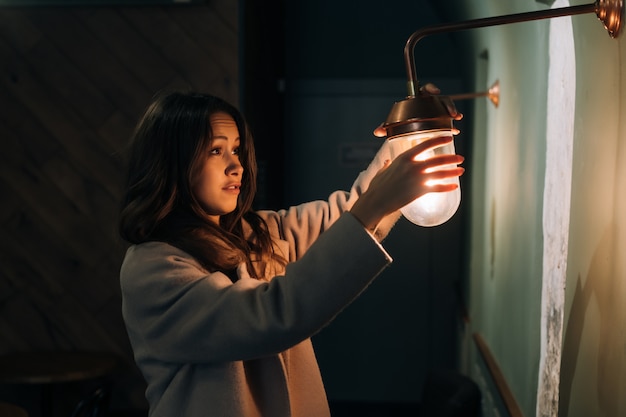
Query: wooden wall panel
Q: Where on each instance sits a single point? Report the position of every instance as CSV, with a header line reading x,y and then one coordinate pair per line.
x,y
73,82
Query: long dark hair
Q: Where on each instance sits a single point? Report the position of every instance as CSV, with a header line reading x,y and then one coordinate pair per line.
x,y
166,154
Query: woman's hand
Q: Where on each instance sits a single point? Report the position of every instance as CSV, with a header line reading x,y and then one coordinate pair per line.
x,y
432,89
405,179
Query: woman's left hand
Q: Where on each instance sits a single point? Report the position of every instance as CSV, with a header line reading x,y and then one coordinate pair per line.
x,y
405,179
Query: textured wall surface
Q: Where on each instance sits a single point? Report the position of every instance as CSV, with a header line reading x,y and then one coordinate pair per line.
x,y
548,231
556,207
593,370
74,81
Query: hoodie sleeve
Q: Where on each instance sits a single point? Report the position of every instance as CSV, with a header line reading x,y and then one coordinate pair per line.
x,y
301,225
177,312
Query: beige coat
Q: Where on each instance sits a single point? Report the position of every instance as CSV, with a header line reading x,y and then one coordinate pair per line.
x,y
213,348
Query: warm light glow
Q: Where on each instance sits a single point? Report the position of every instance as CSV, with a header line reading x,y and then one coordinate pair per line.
x,y
434,208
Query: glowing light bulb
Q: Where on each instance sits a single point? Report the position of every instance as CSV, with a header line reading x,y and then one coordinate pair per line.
x,y
431,209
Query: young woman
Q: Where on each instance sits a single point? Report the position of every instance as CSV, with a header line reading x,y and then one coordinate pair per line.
x,y
219,300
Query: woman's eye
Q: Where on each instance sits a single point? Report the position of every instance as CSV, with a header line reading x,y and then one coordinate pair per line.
x,y
215,151
236,151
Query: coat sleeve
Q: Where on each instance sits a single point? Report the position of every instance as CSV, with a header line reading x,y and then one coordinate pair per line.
x,y
301,225
176,312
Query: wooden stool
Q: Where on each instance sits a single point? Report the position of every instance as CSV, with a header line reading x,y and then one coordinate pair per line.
x,y
47,369
11,410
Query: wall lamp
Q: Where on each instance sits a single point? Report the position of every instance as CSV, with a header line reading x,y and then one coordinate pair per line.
x,y
422,116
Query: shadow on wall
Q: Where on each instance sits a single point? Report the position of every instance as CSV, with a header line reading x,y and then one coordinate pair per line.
x,y
602,284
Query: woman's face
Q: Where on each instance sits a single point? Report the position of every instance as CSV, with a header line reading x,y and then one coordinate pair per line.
x,y
218,184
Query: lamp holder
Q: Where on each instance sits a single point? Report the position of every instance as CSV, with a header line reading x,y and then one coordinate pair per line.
x,y
423,113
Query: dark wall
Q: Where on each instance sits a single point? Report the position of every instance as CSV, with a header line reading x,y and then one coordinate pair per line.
x,y
285,41
73,82
262,100
362,39
344,68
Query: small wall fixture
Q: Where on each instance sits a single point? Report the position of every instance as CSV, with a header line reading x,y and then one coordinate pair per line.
x,y
493,94
421,116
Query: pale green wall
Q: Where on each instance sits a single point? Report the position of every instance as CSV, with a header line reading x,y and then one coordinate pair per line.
x,y
506,233
593,373
507,190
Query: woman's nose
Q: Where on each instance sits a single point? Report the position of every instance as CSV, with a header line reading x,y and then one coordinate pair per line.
x,y
234,166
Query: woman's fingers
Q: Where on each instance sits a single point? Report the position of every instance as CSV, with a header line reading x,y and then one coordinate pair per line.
x,y
451,108
380,131
434,163
443,174
432,89
429,88
411,178
403,180
426,146
442,188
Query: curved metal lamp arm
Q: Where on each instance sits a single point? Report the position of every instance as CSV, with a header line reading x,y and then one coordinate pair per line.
x,y
610,12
